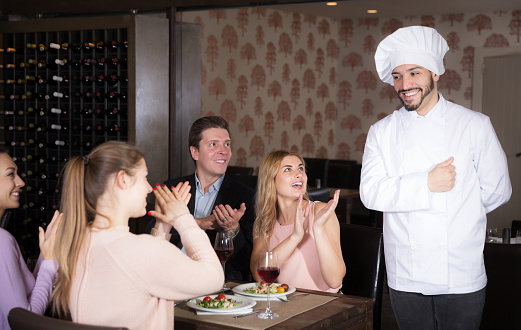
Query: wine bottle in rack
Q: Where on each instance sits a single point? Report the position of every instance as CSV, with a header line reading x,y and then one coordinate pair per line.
x,y
101,62
42,96
112,79
62,143
16,128
7,113
31,46
58,111
88,62
115,44
24,65
100,80
88,46
87,96
27,174
64,48
61,95
114,113
27,96
41,80
87,112
87,79
100,113
42,48
29,205
8,66
113,129
42,64
112,96
26,158
60,79
99,96
42,112
61,62
59,127
42,144
54,46
100,45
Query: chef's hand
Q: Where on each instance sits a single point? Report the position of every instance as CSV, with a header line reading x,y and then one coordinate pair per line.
x,y
442,177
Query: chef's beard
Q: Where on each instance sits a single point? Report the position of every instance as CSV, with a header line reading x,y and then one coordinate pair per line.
x,y
425,91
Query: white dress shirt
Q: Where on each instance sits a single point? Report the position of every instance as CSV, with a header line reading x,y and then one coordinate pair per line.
x,y
433,242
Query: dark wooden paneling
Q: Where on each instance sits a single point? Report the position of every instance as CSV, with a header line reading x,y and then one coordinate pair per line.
x,y
29,7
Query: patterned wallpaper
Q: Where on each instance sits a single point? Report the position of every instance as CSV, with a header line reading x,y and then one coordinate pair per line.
x,y
309,84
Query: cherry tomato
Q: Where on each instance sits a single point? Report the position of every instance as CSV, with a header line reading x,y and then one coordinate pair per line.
x,y
207,299
285,286
262,283
280,289
221,297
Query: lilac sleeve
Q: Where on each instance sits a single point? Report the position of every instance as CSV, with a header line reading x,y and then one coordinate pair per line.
x,y
18,286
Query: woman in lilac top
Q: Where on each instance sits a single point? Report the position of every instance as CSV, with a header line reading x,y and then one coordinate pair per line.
x,y
305,235
18,287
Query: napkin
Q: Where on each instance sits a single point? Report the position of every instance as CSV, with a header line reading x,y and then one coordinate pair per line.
x,y
230,312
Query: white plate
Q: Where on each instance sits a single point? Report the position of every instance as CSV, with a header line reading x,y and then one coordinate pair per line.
x,y
246,303
240,289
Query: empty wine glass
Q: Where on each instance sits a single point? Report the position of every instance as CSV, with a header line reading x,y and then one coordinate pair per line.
x,y
223,246
492,235
268,269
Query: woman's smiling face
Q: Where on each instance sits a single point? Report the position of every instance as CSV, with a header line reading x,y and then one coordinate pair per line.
x,y
10,183
291,179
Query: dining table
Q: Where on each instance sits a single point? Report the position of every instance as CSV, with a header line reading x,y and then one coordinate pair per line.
x,y
312,310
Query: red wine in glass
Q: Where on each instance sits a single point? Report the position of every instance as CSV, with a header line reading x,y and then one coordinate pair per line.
x,y
223,247
268,274
268,269
224,254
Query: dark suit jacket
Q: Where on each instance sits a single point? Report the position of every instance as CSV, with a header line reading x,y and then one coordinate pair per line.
x,y
234,194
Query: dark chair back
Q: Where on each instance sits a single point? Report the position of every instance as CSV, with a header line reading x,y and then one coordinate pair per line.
x,y
516,225
239,170
316,168
22,319
502,306
339,173
4,221
363,252
321,195
247,180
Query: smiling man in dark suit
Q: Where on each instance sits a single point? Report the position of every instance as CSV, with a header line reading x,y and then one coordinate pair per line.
x,y
218,203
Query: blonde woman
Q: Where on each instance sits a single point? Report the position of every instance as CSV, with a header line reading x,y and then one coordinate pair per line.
x,y
109,276
305,235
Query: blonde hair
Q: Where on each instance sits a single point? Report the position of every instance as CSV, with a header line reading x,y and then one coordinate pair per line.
x,y
84,180
266,205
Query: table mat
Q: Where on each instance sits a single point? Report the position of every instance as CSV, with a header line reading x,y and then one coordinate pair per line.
x,y
286,310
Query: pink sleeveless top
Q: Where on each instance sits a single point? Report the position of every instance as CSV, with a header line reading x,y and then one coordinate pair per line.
x,y
302,269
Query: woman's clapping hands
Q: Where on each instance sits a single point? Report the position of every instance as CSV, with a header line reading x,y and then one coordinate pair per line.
x,y
171,204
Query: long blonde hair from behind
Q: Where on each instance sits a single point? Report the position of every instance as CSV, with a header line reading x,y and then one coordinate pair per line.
x,y
84,180
266,205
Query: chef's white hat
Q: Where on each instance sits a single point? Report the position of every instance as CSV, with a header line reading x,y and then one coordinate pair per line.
x,y
419,45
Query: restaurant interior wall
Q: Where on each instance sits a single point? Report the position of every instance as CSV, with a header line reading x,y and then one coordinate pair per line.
x,y
308,83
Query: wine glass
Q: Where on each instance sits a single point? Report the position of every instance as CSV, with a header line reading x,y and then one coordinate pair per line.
x,y
492,235
268,269
223,246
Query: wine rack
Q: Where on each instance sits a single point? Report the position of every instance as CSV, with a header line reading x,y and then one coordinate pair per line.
x,y
43,129
61,94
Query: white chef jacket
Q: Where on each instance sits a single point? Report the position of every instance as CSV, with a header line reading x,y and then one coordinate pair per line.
x,y
433,242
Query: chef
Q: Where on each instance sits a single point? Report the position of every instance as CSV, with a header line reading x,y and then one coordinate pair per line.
x,y
435,169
